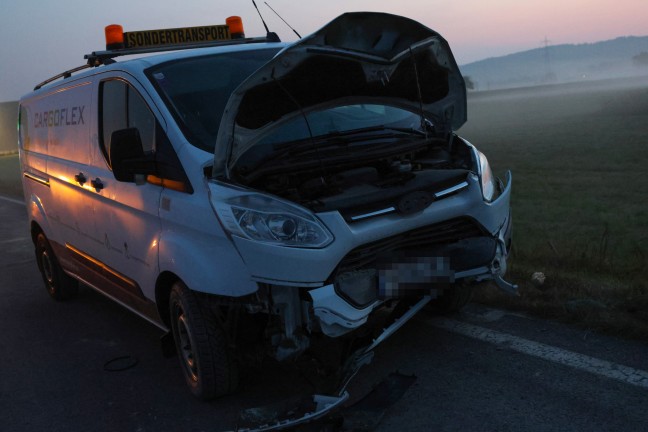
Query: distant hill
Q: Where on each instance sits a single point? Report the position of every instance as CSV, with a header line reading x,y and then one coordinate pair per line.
x,y
562,63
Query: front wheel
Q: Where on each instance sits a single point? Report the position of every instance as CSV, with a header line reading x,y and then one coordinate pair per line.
x,y
59,285
206,359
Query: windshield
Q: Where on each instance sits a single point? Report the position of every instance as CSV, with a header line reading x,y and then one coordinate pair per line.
x,y
342,119
358,124
197,89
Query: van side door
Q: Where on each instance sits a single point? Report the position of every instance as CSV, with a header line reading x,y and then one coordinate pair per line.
x,y
124,262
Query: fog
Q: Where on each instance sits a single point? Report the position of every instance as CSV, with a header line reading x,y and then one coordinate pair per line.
x,y
617,58
557,75
8,127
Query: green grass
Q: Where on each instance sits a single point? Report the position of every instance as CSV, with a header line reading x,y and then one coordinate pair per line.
x,y
580,194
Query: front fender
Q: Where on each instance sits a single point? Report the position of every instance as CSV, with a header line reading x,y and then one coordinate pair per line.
x,y
205,263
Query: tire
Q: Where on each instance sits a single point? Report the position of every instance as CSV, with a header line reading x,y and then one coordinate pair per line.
x,y
206,360
453,299
59,285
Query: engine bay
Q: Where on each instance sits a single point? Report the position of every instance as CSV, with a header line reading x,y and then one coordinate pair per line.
x,y
360,183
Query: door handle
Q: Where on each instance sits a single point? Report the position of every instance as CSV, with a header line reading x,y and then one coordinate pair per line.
x,y
80,178
97,184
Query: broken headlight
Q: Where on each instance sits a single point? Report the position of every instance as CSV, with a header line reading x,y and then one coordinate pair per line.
x,y
268,220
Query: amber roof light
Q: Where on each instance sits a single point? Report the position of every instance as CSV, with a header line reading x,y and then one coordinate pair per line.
x,y
114,37
235,24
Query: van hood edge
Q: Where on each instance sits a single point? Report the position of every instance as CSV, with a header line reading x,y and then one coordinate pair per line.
x,y
359,57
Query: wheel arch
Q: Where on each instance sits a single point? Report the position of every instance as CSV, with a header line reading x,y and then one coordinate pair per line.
x,y
163,286
39,221
35,229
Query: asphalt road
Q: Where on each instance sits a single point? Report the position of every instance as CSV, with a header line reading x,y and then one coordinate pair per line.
x,y
484,370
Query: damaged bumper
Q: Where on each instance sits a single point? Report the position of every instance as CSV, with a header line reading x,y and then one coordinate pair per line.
x,y
478,257
407,275
363,415
289,415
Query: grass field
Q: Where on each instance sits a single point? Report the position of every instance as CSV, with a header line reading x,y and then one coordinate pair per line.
x,y
579,155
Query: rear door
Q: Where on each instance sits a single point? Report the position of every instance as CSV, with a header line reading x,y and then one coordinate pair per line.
x,y
61,129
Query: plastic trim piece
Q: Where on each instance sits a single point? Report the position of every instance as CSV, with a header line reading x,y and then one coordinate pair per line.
x,y
451,190
37,179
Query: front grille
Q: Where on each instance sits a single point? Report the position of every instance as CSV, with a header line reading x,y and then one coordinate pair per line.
x,y
446,232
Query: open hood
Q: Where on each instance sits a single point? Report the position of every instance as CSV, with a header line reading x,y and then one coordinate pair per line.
x,y
358,58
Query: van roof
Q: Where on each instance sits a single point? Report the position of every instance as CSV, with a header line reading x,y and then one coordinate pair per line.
x,y
150,57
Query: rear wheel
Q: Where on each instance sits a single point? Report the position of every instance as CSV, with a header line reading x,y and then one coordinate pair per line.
x,y
206,359
59,285
453,299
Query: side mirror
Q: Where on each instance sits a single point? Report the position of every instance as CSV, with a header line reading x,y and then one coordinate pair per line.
x,y
127,157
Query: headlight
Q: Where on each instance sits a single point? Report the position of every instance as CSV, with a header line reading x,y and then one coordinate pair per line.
x,y
488,182
268,220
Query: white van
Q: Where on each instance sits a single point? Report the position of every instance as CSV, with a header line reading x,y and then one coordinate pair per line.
x,y
249,194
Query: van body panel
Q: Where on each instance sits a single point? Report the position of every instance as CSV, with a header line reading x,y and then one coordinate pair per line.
x,y
35,195
58,129
106,280
199,252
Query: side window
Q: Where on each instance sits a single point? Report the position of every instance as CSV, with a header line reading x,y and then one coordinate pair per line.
x,y
140,117
122,107
113,111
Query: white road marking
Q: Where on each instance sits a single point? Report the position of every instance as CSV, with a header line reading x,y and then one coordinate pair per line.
x,y
13,240
593,365
11,200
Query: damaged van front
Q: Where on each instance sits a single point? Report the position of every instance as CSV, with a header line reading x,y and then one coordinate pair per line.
x,y
254,198
343,187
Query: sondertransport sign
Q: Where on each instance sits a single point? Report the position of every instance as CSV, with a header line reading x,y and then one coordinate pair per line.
x,y
176,36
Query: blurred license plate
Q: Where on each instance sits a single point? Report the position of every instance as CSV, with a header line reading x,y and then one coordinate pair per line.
x,y
412,276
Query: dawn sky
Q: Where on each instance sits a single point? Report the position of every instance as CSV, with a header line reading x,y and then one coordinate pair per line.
x,y
41,38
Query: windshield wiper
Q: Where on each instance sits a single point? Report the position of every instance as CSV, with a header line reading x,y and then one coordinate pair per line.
x,y
374,129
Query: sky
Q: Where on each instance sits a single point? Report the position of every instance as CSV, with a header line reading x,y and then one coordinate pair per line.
x,y
41,38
